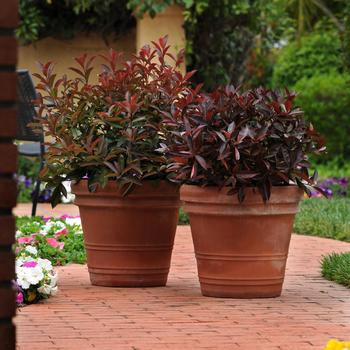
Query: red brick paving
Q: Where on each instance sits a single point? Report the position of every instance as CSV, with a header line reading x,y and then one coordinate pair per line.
x,y
44,209
310,311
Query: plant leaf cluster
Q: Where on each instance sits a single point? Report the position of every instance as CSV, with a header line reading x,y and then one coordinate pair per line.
x,y
255,138
110,130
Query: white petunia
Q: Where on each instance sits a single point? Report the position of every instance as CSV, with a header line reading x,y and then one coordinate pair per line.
x,y
50,224
53,279
34,275
45,289
19,262
22,281
19,233
31,250
45,264
73,221
54,291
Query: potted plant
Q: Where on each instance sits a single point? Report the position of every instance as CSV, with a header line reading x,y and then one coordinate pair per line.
x,y
104,137
242,158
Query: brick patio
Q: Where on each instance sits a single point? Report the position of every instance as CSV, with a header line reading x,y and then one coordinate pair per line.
x,y
309,313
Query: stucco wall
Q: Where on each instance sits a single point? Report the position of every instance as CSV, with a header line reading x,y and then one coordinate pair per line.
x,y
62,52
170,23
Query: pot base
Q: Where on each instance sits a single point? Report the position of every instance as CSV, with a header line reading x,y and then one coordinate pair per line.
x,y
128,281
241,292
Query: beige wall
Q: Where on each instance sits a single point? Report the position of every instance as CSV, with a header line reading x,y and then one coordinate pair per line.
x,y
62,52
170,22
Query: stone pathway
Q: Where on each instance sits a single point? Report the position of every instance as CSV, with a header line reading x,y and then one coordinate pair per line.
x,y
310,311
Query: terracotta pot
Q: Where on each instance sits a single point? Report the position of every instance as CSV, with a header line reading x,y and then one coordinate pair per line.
x,y
241,249
129,240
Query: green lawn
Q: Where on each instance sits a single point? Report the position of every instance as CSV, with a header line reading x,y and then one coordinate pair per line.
x,y
324,218
328,218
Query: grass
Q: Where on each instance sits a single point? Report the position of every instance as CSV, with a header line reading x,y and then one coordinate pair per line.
x,y
336,267
322,217
328,218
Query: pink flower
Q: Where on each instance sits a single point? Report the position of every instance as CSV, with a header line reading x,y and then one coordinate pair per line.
x,y
54,243
19,298
61,232
46,218
24,240
30,264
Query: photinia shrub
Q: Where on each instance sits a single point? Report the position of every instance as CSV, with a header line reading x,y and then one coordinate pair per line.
x,y
109,130
250,139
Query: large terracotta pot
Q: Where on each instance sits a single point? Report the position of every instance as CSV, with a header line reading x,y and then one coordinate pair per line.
x,y
241,248
129,240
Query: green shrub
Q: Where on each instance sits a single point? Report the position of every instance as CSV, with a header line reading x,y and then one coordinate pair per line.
x,y
325,100
333,168
336,267
27,174
319,53
322,217
183,218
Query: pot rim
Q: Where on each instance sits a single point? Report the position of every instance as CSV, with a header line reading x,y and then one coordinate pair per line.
x,y
212,201
112,185
160,194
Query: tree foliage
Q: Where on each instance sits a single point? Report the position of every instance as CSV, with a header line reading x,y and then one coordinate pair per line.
x,y
325,98
65,18
319,53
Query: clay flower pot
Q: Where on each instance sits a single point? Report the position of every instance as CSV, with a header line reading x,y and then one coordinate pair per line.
x,y
129,240
241,248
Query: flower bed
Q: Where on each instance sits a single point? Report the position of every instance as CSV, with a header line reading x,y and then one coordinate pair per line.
x,y
42,243
334,187
36,278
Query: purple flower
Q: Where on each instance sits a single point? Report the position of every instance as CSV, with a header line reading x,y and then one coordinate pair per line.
x,y
28,182
327,183
335,186
343,181
21,178
328,192
19,292
44,195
